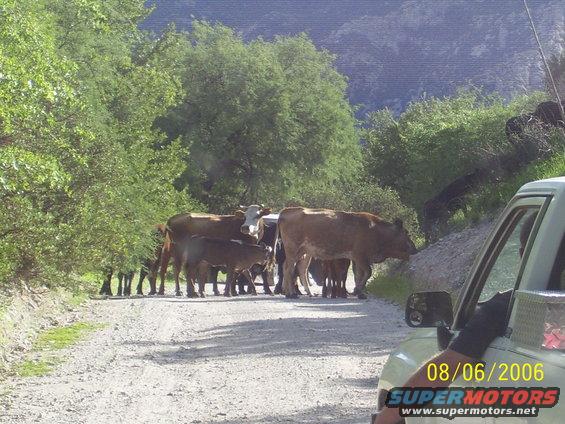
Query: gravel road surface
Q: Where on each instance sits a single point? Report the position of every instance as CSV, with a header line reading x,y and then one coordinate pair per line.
x,y
216,360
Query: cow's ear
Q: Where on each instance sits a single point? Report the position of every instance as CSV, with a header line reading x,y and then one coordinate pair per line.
x,y
239,214
398,223
265,211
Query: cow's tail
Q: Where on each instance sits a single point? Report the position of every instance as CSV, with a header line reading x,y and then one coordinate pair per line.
x,y
273,256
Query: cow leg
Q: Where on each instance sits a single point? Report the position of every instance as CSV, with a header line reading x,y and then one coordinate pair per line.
x,y
106,288
302,267
143,272
165,258
127,284
241,284
213,277
251,287
120,281
153,271
324,289
267,277
354,267
229,282
343,289
128,281
335,280
288,278
177,270
280,272
203,273
362,271
189,277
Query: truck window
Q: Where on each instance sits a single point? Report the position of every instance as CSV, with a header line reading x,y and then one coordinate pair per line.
x,y
557,277
504,271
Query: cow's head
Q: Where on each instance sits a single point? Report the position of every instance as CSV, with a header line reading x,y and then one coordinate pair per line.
x,y
252,224
399,244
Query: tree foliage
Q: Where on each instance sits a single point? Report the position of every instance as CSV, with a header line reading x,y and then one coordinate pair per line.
x,y
80,180
436,141
259,118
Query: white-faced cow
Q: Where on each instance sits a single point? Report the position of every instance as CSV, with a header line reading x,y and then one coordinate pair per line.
x,y
245,225
326,234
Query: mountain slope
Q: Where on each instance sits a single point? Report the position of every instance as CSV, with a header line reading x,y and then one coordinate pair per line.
x,y
397,51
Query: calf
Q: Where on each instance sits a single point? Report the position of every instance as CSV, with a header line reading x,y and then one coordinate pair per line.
x,y
338,269
198,253
331,275
244,225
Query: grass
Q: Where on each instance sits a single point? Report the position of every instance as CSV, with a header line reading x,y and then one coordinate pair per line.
x,y
46,345
62,337
37,367
396,288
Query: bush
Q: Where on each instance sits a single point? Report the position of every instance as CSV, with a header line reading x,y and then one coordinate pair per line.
x,y
435,141
494,196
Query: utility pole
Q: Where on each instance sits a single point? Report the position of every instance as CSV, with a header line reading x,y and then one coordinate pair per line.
x,y
547,70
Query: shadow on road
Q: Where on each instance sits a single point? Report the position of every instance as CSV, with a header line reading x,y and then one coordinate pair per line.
x,y
348,327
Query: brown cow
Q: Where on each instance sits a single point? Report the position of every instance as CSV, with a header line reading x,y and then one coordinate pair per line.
x,y
198,253
331,275
327,234
245,226
337,270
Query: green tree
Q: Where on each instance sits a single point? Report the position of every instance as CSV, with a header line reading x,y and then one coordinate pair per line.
x,y
84,175
259,118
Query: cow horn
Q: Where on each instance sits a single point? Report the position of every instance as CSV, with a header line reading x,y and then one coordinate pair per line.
x,y
242,207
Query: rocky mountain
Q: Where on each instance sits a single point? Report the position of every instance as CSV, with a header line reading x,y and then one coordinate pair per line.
x,y
394,51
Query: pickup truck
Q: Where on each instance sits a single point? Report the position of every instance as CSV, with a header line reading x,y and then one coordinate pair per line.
x,y
535,273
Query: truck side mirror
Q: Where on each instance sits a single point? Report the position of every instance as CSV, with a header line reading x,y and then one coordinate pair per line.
x,y
429,309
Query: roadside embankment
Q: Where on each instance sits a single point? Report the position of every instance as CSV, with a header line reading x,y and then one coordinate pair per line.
x,y
25,313
443,265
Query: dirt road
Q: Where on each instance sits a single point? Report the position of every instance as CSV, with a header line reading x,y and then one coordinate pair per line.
x,y
216,360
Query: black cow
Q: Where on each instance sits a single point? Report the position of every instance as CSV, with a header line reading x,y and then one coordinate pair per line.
x,y
550,114
124,282
515,126
450,199
126,278
527,146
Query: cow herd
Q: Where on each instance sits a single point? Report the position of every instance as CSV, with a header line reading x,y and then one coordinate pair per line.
x,y
251,242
